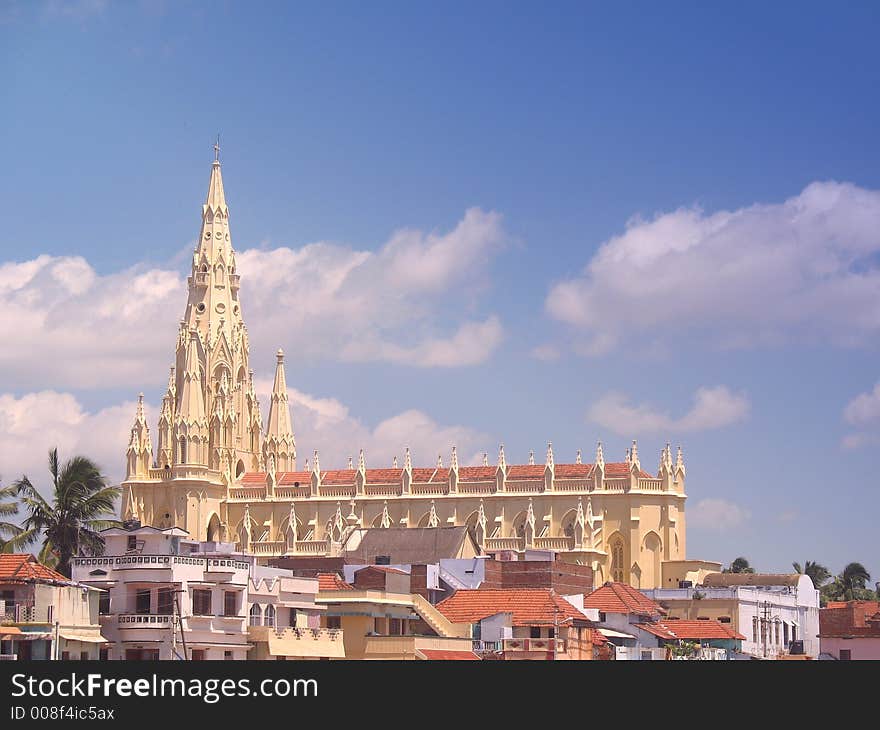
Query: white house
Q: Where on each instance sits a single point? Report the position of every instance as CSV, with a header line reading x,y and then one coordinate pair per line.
x,y
169,597
774,612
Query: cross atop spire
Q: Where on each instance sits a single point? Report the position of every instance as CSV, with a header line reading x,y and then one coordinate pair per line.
x,y
217,149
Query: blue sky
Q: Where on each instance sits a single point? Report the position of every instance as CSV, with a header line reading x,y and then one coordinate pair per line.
x,y
725,157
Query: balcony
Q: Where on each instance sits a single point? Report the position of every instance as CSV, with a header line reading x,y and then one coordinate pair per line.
x,y
297,643
505,543
411,647
543,646
19,612
144,620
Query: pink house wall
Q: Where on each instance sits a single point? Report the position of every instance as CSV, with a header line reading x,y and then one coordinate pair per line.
x,y
861,648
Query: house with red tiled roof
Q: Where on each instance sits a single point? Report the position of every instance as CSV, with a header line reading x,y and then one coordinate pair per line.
x,y
640,628
850,629
525,623
43,614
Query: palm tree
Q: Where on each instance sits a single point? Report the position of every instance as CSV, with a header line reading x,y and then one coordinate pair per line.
x,y
81,503
740,565
12,536
853,578
817,572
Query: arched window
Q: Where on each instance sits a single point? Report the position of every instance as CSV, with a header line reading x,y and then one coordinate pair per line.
x,y
256,615
617,572
182,453
270,615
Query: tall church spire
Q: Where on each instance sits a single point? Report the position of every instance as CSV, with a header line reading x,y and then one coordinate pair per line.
x,y
279,441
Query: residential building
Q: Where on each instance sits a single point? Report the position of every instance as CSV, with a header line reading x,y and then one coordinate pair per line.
x,y
169,597
777,614
284,622
222,474
850,629
382,624
44,615
524,624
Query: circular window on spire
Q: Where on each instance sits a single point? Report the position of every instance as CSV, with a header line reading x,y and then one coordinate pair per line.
x,y
221,307
235,309
218,235
207,234
201,308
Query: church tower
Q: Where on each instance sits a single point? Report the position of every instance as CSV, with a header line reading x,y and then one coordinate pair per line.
x,y
210,405
279,443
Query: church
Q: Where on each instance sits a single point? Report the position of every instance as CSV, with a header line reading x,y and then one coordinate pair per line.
x,y
223,474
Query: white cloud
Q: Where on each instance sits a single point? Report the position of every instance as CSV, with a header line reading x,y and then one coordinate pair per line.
x,y
717,515
326,424
35,422
802,270
546,352
713,408
863,412
32,424
864,408
411,302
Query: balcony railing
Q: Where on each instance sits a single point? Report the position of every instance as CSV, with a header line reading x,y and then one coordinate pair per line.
x,y
20,612
554,543
143,621
164,562
505,543
537,645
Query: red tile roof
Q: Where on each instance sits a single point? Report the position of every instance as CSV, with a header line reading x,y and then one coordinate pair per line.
x,y
572,471
384,476
286,478
24,566
290,477
529,606
622,598
332,582
338,476
477,474
525,471
430,474
435,654
692,630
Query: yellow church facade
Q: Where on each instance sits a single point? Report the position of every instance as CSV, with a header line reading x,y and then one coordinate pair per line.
x,y
223,474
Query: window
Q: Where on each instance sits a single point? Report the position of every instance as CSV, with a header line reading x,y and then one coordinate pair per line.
x,y
227,655
755,629
601,617
166,601
794,633
617,572
256,615
270,615
104,654
395,628
291,621
142,601
132,542
845,655
724,619
777,631
230,603
65,656
201,600
535,632
198,655
785,634
104,603
83,656
334,622
50,613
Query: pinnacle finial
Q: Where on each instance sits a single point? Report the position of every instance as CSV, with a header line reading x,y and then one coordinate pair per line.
x,y
439,461
350,463
280,355
394,463
453,462
531,457
550,460
485,458
362,461
578,458
407,459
